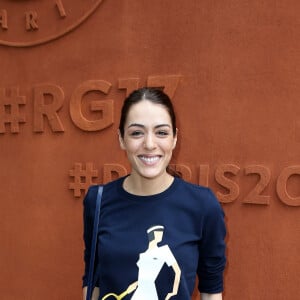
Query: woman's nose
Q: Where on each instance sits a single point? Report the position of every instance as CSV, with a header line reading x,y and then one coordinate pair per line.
x,y
149,142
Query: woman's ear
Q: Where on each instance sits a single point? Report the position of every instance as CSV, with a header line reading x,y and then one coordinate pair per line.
x,y
121,141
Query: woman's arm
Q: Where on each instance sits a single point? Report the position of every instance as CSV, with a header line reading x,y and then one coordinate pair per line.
x,y
132,287
95,295
177,272
212,259
205,296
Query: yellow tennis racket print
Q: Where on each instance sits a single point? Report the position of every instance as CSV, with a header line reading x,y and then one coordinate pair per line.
x,y
115,296
129,290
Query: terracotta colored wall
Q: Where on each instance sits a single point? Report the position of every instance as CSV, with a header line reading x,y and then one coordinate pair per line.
x,y
232,69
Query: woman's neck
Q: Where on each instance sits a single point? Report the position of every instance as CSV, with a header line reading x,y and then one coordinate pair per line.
x,y
140,186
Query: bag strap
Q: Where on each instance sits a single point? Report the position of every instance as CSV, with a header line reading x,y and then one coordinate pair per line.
x,y
94,243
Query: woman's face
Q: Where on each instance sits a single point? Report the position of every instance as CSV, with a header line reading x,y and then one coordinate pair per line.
x,y
148,139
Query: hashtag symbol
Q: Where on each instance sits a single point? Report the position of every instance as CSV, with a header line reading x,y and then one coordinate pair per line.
x,y
83,177
9,109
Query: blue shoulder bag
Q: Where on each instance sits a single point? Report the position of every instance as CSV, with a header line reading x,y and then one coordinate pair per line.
x,y
90,286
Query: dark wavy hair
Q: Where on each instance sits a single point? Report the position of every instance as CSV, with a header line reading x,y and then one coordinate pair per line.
x,y
153,95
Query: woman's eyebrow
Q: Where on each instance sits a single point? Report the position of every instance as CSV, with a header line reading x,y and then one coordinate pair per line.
x,y
136,125
143,126
162,125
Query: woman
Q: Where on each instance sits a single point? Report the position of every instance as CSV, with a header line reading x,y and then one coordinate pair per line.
x,y
192,218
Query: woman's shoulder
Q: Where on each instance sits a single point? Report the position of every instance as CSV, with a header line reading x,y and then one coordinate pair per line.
x,y
115,182
199,194
193,188
108,188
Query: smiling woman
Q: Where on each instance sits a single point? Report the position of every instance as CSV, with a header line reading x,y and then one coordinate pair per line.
x,y
148,140
182,220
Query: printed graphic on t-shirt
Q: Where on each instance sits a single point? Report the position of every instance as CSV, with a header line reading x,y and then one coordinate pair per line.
x,y
150,264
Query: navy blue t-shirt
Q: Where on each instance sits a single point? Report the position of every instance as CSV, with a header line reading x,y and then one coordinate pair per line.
x,y
192,231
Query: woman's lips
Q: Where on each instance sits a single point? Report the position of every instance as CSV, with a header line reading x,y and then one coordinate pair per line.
x,y
149,160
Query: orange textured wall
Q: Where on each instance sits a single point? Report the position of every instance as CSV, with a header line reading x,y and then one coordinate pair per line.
x,y
232,69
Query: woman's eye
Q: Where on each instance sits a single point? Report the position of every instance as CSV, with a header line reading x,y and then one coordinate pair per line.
x,y
136,133
162,133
